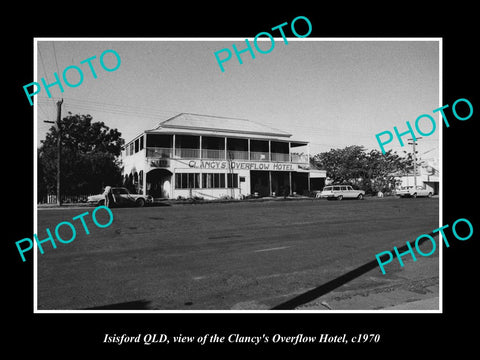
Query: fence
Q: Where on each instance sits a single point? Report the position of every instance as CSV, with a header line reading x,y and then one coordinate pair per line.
x,y
52,199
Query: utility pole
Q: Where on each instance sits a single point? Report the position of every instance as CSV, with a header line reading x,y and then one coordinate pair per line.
x,y
414,161
59,149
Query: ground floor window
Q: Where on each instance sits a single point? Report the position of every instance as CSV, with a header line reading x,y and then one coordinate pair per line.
x,y
213,180
209,181
187,180
232,180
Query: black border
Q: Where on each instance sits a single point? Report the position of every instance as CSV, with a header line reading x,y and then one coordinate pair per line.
x,y
84,333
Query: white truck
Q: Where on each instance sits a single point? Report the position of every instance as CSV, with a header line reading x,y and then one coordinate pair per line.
x,y
412,191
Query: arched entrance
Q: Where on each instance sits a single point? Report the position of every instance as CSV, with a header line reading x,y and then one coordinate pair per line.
x,y
159,183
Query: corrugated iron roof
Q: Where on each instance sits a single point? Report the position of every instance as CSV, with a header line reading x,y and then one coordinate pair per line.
x,y
218,123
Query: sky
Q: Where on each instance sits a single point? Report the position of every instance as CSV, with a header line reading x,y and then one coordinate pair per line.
x,y
329,92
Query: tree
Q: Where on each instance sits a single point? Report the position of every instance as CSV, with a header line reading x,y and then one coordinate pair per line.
x,y
89,160
345,165
372,171
384,168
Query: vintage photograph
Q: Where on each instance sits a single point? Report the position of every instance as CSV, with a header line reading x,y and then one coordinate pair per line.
x,y
237,175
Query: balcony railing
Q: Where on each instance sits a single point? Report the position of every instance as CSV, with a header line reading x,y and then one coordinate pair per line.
x,y
213,154
280,157
182,153
158,152
219,154
300,158
259,156
237,155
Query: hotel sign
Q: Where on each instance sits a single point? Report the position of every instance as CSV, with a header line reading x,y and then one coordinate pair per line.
x,y
160,163
242,165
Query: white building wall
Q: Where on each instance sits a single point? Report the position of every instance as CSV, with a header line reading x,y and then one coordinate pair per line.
x,y
138,161
135,162
207,194
210,193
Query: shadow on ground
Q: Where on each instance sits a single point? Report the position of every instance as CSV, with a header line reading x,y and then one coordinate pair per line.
x,y
130,305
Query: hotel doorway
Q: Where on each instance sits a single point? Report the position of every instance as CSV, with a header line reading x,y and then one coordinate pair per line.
x,y
259,183
159,183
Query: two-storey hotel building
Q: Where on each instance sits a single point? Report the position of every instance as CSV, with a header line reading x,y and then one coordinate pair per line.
x,y
211,157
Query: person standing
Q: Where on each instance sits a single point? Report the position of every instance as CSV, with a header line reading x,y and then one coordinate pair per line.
x,y
108,194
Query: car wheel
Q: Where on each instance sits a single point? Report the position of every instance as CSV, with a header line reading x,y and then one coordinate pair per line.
x,y
140,202
360,197
414,195
429,194
340,197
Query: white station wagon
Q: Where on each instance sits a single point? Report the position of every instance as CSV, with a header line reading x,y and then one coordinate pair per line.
x,y
340,192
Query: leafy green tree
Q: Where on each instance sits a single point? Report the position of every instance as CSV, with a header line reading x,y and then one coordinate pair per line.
x,y
89,160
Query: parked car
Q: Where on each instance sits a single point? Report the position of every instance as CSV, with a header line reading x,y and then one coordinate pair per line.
x,y
411,191
340,192
122,198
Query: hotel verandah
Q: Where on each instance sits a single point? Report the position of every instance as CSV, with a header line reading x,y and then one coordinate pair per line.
x,y
211,157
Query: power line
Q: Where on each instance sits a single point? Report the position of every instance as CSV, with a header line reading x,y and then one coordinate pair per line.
x,y
43,66
98,103
43,111
116,111
161,114
55,55
119,109
157,113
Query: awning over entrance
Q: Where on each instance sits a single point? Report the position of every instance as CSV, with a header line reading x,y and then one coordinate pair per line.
x,y
314,173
